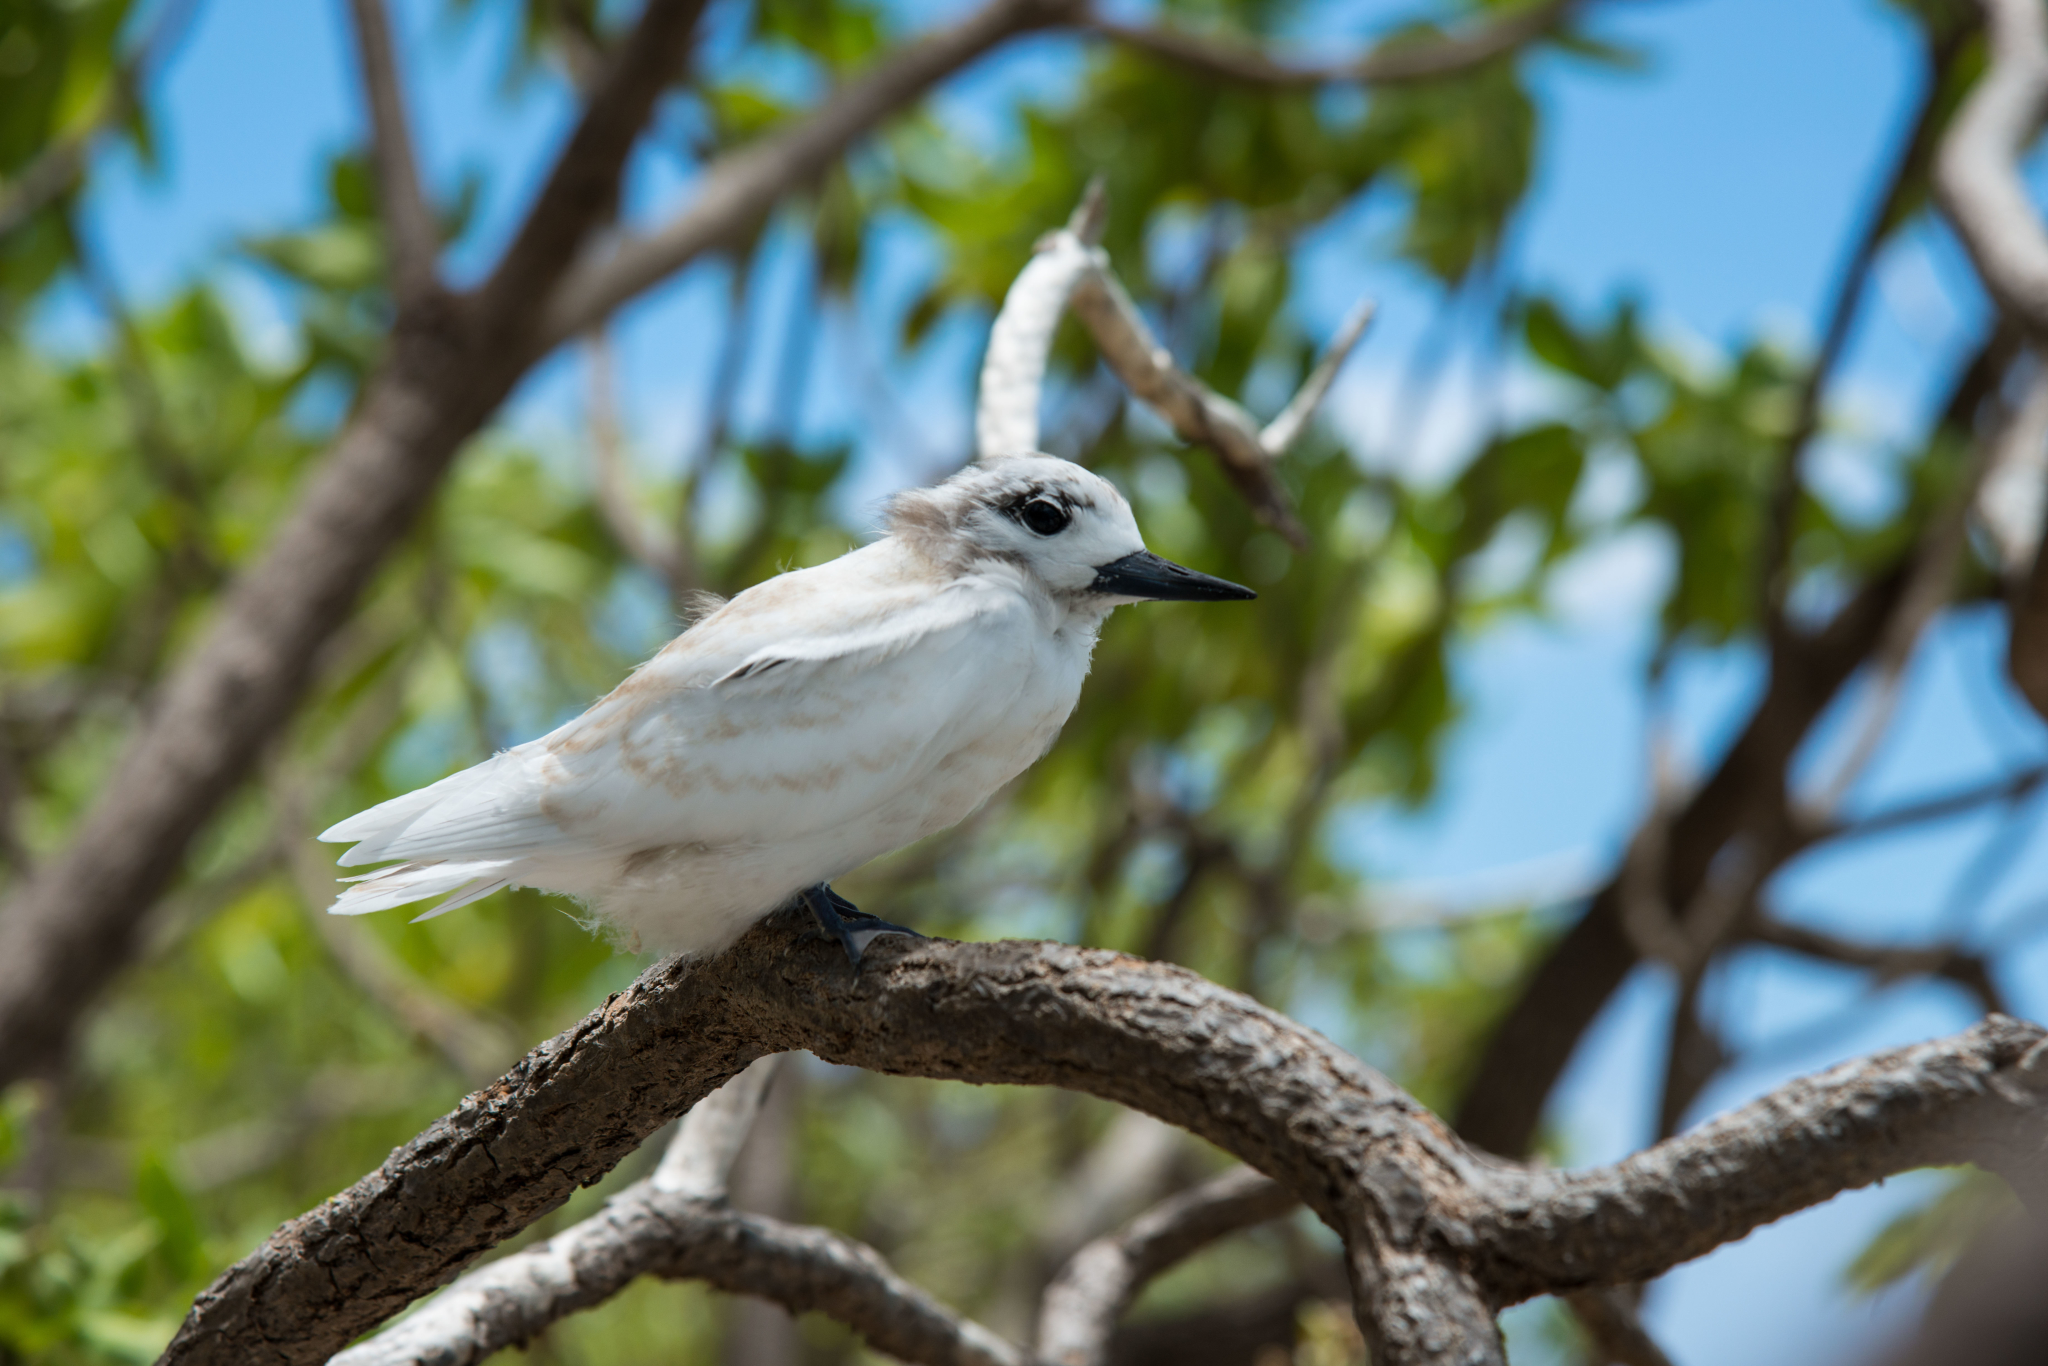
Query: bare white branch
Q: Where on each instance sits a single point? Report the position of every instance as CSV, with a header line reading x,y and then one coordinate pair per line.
x,y
1020,344
708,1139
1976,172
1120,1175
1069,269
1085,1300
676,1225
649,1232
2013,500
1282,431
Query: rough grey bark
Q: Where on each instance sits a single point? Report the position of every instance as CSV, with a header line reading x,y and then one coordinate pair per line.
x,y
1439,1236
683,1231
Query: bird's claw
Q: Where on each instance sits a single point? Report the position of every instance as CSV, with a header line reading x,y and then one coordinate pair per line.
x,y
854,928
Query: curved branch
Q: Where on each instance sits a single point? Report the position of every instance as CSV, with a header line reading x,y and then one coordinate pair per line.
x,y
1438,1235
1197,413
1068,268
1976,173
1980,1096
1020,344
646,1231
1966,969
739,188
1082,1305
1398,62
676,1225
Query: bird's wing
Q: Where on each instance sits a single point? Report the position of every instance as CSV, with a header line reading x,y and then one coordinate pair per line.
x,y
796,731
776,716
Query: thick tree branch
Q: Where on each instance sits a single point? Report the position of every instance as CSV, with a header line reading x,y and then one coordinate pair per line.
x,y
1438,1236
1402,61
1976,172
676,1225
410,235
1980,1096
1082,1305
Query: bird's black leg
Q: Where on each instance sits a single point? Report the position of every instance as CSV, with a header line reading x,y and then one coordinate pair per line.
x,y
854,928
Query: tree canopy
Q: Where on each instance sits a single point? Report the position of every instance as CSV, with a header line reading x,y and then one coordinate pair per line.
x,y
251,584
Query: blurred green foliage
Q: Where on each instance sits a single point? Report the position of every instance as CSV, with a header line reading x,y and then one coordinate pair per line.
x,y
1927,1240
261,1056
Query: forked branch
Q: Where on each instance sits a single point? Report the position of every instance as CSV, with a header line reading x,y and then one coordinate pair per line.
x,y
1069,268
1439,1237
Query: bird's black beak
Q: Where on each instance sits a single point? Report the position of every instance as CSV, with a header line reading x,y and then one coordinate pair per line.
x,y
1141,574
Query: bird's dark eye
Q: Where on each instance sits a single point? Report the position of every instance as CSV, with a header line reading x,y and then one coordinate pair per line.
x,y
1044,516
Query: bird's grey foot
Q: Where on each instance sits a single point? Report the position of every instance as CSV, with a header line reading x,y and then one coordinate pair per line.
x,y
854,928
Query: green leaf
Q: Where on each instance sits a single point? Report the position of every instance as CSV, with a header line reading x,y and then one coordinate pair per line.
x,y
179,1241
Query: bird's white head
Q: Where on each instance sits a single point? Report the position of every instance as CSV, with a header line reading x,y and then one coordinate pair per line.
x,y
1064,527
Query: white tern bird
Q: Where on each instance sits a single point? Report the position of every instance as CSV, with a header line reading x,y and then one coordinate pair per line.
x,y
816,721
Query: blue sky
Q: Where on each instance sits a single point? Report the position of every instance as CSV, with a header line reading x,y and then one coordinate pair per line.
x,y
1721,184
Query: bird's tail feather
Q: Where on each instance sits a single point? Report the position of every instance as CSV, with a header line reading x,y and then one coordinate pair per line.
x,y
408,882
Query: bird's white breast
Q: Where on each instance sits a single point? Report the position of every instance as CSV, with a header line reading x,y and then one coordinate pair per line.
x,y
714,801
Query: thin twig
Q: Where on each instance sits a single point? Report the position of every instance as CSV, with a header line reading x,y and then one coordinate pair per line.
x,y
2011,787
1403,61
2012,500
738,189
410,234
1890,963
1930,585
1069,269
1280,434
1902,179
611,482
